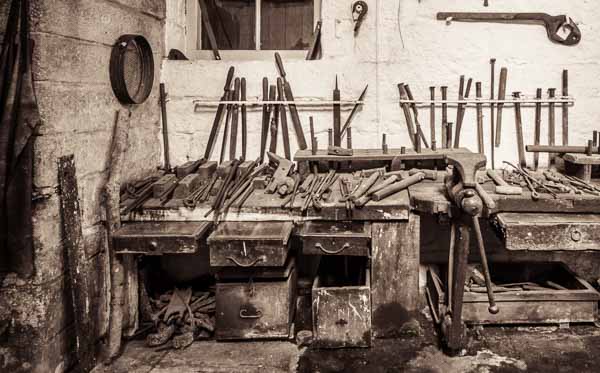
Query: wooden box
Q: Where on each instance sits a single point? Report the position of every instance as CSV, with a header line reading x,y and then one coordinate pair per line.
x,y
341,308
257,308
250,244
577,303
156,238
336,238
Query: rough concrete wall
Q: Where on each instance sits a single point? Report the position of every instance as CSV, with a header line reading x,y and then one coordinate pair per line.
x,y
433,55
73,41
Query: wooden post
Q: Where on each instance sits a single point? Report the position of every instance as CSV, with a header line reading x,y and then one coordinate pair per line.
x,y
395,274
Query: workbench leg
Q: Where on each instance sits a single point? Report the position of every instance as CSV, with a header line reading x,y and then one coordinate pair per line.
x,y
394,275
130,311
455,332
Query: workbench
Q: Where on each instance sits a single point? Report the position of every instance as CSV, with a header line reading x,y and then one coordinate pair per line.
x,y
394,234
516,224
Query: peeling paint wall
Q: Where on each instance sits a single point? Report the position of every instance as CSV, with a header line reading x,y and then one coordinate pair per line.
x,y
73,41
431,54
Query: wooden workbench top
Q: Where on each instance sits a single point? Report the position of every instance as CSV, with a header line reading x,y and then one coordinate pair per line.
x,y
267,207
430,197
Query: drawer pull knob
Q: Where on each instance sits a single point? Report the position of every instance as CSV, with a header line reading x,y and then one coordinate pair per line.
x,y
576,235
245,315
251,264
331,252
153,245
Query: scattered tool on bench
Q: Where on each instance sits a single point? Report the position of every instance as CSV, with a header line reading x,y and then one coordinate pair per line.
x,y
415,176
502,186
281,182
553,24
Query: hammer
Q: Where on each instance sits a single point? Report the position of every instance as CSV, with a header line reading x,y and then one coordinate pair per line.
x,y
415,177
502,186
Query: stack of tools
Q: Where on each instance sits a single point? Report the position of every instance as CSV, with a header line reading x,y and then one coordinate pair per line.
x,y
549,182
182,316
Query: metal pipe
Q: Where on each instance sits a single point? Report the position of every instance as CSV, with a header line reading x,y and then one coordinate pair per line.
x,y
551,124
559,149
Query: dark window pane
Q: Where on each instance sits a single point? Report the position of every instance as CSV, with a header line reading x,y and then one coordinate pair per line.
x,y
286,24
233,22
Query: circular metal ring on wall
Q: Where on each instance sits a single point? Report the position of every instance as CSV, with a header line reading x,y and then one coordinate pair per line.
x,y
132,69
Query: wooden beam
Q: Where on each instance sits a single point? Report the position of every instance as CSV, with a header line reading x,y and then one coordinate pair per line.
x,y
395,274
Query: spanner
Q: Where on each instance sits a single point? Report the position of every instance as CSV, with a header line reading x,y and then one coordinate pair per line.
x,y
553,24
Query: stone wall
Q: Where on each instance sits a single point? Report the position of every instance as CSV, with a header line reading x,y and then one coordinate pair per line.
x,y
401,41
73,42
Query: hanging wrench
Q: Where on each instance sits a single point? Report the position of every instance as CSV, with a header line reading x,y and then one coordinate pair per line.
x,y
553,24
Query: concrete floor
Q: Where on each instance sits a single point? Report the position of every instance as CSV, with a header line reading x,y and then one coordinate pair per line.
x,y
492,349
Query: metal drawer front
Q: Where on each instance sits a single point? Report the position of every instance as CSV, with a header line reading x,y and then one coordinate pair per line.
x,y
249,244
339,238
156,238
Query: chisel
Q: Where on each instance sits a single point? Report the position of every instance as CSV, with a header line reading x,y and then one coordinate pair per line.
x,y
501,96
244,120
293,110
519,130
565,108
265,120
234,119
353,112
212,138
284,127
478,93
337,119
538,127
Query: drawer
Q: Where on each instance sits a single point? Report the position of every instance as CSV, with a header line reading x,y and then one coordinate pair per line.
x,y
257,308
250,244
336,238
542,232
156,238
341,307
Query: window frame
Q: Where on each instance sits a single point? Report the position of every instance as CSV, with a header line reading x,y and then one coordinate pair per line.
x,y
193,33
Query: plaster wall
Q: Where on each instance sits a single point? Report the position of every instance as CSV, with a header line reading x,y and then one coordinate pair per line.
x,y
401,41
73,41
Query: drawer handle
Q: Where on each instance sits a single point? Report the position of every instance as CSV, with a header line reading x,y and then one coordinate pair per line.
x,y
576,235
251,264
153,245
332,252
244,314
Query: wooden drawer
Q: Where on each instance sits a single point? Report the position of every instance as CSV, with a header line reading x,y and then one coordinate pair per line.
x,y
341,310
541,232
156,238
250,244
577,302
336,238
256,309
